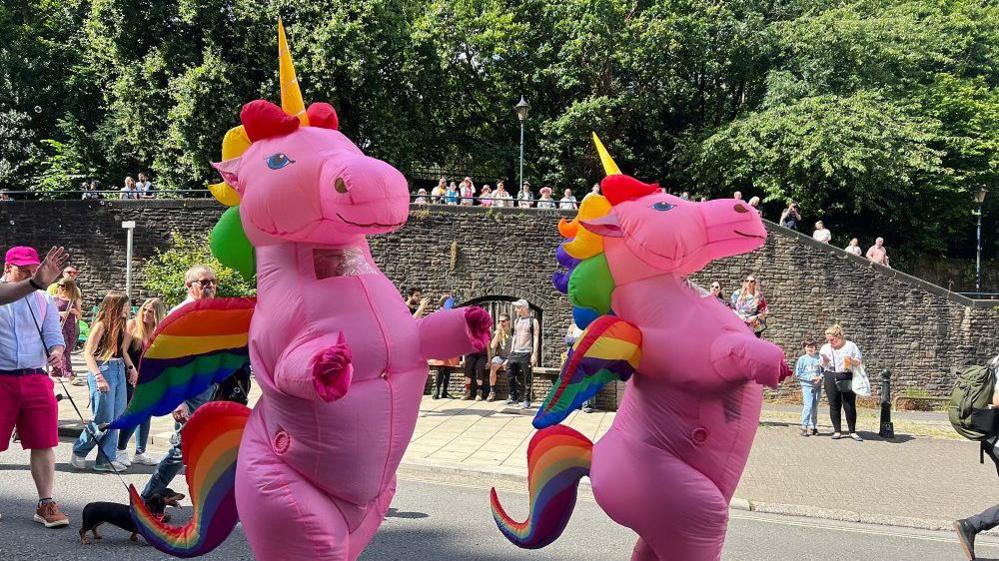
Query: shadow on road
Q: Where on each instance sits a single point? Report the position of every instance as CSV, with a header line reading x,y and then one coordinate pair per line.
x,y
395,513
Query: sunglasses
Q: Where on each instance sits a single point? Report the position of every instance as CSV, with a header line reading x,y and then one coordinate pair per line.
x,y
750,280
206,282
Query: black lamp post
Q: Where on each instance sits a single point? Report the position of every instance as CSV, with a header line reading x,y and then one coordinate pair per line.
x,y
980,199
522,108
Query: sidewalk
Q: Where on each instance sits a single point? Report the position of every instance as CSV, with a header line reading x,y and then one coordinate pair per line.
x,y
914,480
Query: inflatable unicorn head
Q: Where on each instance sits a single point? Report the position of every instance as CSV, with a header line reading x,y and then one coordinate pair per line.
x,y
635,231
667,233
297,178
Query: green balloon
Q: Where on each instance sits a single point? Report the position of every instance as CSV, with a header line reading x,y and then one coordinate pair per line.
x,y
230,245
591,285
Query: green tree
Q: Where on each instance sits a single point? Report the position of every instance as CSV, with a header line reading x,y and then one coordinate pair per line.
x,y
164,272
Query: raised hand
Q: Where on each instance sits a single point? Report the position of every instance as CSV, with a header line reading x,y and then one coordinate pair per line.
x,y
51,268
479,324
332,371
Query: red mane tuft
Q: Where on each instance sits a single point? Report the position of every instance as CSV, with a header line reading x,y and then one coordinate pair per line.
x,y
262,119
620,188
323,115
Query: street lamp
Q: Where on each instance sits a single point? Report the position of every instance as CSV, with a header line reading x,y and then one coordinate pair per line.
x,y
522,108
980,199
129,226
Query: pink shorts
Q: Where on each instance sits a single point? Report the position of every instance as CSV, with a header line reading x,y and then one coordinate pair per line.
x,y
28,403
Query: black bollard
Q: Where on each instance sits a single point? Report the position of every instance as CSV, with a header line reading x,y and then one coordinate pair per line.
x,y
887,428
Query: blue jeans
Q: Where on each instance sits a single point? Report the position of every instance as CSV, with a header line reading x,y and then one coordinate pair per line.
x,y
173,461
105,407
810,405
126,435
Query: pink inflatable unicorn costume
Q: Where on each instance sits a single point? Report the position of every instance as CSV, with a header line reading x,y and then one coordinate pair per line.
x,y
674,455
341,361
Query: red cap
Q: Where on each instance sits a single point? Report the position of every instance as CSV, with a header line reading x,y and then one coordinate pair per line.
x,y
22,256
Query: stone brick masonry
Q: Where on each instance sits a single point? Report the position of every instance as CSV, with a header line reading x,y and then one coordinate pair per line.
x,y
919,331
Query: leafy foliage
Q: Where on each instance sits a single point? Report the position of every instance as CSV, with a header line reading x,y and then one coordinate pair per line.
x,y
164,272
880,116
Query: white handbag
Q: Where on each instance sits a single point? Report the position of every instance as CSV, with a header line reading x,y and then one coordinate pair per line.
x,y
861,385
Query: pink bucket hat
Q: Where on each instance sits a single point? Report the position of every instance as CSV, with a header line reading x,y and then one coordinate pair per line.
x,y
22,256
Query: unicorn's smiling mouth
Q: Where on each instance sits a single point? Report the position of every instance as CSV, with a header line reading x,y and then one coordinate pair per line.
x,y
745,235
369,225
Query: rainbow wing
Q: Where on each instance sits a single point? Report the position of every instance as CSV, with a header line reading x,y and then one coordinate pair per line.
x,y
211,443
610,349
200,344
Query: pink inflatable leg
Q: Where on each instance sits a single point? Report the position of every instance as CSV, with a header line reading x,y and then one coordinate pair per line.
x,y
362,535
283,515
643,552
683,518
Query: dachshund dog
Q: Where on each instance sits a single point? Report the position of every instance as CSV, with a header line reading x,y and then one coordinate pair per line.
x,y
97,513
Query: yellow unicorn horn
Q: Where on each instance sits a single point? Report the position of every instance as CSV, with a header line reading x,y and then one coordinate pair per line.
x,y
610,168
291,95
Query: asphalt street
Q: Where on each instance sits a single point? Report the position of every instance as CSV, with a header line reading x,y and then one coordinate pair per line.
x,y
450,520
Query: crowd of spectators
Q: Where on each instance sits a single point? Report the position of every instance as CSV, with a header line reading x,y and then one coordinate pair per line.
x,y
465,193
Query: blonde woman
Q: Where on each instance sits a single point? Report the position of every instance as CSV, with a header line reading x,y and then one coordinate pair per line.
x,y
499,347
108,363
141,329
750,305
839,358
70,304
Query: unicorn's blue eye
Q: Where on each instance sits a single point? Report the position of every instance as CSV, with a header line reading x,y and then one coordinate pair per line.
x,y
662,206
278,161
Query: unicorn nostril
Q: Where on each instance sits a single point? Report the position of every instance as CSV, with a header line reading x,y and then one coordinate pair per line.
x,y
741,208
340,186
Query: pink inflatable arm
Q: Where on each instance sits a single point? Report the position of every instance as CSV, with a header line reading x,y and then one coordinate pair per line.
x,y
734,357
315,368
744,357
449,333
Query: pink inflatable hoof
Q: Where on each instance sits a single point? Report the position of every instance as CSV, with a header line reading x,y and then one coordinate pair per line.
x,y
479,324
332,372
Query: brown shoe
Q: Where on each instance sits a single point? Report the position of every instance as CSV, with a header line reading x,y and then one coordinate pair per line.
x,y
49,515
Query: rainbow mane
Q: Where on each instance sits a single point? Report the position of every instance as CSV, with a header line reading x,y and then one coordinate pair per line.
x,y
587,279
557,457
202,343
211,443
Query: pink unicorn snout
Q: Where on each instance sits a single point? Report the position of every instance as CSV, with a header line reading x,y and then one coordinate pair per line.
x,y
732,227
365,195
315,186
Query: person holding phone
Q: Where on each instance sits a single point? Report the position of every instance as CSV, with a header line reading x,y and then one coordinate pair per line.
x,y
839,358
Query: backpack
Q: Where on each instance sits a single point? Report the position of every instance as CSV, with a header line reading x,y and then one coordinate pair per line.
x,y
969,411
235,388
973,390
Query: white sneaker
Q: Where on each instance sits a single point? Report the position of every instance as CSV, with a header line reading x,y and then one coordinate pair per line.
x,y
119,467
77,462
122,458
144,460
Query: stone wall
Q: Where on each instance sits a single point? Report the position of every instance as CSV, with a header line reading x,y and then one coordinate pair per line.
x,y
919,331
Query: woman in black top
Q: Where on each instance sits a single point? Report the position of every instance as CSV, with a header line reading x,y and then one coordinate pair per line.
x,y
108,364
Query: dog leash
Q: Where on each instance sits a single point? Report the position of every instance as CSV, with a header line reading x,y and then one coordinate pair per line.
x,y
86,425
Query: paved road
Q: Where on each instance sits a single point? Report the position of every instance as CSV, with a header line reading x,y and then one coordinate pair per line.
x,y
450,521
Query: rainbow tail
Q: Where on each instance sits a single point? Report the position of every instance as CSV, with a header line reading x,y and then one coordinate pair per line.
x,y
557,458
210,443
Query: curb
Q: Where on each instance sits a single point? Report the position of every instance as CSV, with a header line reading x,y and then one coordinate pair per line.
x,y
70,429
516,478
505,477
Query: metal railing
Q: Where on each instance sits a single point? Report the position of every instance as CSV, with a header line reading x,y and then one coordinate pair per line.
x,y
414,198
981,295
104,194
